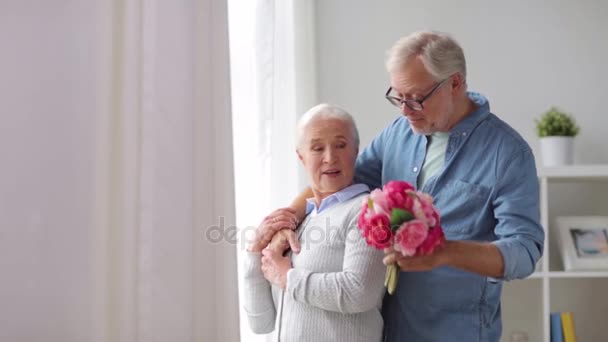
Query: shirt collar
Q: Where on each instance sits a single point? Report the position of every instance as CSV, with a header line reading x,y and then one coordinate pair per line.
x,y
337,197
471,121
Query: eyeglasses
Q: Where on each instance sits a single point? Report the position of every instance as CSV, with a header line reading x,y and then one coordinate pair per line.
x,y
412,104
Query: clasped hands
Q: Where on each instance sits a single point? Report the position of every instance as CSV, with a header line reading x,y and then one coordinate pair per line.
x,y
276,234
273,237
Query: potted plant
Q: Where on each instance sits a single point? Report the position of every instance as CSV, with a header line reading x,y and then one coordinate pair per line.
x,y
556,130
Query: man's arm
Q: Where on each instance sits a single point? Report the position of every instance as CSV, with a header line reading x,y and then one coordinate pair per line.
x,y
520,238
298,205
483,258
478,257
368,168
285,238
283,218
516,208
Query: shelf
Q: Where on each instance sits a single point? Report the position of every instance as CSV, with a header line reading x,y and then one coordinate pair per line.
x,y
570,274
557,184
575,172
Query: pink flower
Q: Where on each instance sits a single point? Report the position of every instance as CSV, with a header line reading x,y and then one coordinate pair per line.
x,y
379,233
436,219
409,236
418,221
397,194
363,221
434,239
424,210
397,186
380,203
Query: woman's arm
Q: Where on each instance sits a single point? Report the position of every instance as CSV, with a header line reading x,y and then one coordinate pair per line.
x,y
257,295
357,288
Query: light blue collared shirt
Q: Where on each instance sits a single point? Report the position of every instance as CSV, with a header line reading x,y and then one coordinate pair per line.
x,y
486,190
337,197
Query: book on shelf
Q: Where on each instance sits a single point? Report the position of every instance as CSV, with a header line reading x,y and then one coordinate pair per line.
x,y
562,327
556,327
568,327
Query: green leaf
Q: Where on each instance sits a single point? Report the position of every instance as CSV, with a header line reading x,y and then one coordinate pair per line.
x,y
398,216
555,122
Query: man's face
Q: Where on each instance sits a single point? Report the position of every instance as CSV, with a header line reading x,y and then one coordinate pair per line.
x,y
328,153
414,82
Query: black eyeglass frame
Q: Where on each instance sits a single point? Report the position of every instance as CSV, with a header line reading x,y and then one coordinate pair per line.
x,y
412,104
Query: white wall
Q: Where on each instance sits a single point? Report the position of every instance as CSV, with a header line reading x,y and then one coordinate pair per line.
x,y
525,56
47,67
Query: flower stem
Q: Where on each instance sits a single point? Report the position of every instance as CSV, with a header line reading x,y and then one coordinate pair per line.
x,y
392,277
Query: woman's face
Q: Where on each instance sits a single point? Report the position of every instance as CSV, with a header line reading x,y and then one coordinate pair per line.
x,y
328,153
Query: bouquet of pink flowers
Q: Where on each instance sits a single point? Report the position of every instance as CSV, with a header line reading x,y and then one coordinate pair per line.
x,y
400,217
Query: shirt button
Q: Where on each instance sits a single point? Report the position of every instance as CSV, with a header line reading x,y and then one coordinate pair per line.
x,y
464,134
415,169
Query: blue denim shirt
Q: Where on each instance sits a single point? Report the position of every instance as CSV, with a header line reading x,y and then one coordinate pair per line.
x,y
487,190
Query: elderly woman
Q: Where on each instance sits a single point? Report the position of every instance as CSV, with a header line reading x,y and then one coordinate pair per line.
x,y
331,290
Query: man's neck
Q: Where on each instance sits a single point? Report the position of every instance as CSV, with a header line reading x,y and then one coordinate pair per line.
x,y
464,107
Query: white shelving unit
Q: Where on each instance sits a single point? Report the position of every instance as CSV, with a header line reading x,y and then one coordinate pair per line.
x,y
566,174
577,190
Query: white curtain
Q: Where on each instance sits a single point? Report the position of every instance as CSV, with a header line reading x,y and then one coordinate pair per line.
x,y
118,166
273,83
165,175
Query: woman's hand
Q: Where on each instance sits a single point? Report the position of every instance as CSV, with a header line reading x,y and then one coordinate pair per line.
x,y
275,267
283,240
283,218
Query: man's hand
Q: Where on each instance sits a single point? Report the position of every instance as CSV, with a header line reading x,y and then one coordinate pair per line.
x,y
277,220
415,263
482,258
275,267
283,240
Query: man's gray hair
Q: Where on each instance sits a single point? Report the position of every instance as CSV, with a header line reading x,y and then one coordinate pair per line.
x,y
326,111
440,53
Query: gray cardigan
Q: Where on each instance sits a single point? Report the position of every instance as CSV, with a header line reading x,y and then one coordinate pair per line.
x,y
334,290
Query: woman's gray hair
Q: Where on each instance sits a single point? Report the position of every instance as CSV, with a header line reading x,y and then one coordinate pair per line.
x,y
440,53
326,111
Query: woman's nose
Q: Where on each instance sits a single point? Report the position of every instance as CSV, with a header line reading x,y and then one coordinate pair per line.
x,y
329,155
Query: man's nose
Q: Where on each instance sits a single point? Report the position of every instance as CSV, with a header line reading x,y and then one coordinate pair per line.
x,y
405,110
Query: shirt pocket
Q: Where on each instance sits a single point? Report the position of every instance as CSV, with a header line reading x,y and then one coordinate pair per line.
x,y
462,206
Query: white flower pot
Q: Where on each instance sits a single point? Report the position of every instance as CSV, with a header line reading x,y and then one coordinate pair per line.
x,y
557,151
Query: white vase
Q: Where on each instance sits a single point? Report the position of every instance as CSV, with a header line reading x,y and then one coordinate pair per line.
x,y
557,151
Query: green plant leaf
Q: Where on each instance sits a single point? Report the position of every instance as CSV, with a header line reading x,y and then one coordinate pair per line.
x,y
555,122
398,216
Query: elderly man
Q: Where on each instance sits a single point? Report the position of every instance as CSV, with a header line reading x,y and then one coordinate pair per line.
x,y
483,178
332,289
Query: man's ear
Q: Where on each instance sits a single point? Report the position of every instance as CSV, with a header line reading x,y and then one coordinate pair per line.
x,y
299,155
458,82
